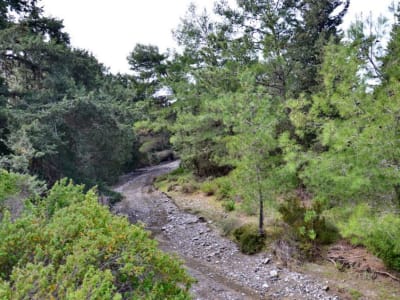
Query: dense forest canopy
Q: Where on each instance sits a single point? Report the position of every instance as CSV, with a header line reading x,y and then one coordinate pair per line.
x,y
268,100
61,111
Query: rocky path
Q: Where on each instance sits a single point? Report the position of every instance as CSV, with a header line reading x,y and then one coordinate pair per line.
x,y
222,272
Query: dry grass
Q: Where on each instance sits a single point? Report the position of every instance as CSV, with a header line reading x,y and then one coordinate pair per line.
x,y
207,206
354,273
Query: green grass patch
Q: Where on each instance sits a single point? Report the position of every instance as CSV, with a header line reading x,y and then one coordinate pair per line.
x,y
229,205
209,187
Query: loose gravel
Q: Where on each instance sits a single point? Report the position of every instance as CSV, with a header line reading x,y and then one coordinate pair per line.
x,y
222,272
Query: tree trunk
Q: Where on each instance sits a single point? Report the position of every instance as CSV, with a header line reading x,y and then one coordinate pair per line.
x,y
261,205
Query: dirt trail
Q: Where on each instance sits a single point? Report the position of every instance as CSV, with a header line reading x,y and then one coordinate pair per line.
x,y
222,272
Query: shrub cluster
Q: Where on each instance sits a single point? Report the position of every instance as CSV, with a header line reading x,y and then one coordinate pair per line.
x,y
308,224
70,247
249,239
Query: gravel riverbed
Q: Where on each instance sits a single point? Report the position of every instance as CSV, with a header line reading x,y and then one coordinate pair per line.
x,y
221,271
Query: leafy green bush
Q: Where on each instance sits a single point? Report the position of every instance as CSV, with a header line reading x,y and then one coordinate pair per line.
x,y
249,239
354,222
186,181
70,247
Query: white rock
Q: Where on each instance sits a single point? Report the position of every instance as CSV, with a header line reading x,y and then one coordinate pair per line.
x,y
266,261
273,273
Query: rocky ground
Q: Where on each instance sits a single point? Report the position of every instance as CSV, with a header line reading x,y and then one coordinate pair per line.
x,y
222,272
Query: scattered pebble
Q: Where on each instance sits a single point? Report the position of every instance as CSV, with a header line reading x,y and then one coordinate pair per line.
x,y
189,236
266,261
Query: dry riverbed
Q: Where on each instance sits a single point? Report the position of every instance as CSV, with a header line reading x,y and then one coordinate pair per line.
x,y
222,272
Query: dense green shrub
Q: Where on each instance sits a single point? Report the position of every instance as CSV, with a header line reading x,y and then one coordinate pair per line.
x,y
249,239
71,247
63,194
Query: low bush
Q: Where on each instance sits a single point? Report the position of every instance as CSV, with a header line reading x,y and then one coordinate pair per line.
x,y
14,183
229,225
308,224
209,188
177,172
189,187
71,247
224,186
249,239
178,175
229,205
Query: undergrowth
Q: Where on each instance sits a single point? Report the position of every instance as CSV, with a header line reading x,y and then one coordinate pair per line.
x,y
379,232
249,239
308,224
